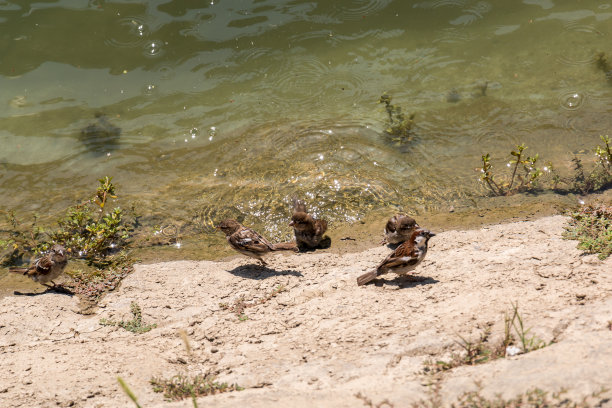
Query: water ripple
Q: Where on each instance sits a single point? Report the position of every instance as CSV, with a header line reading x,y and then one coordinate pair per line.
x,y
303,79
128,32
359,9
571,100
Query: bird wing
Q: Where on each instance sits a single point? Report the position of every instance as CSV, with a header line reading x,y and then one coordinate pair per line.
x,y
43,265
320,227
403,256
249,240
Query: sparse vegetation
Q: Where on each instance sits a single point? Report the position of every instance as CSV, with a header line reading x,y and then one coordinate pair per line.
x,y
591,225
601,60
92,232
368,402
482,351
128,391
95,236
526,176
181,386
135,325
533,398
398,128
240,304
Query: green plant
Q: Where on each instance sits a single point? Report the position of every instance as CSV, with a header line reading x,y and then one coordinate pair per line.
x,y
17,239
591,225
603,64
241,304
482,350
92,232
181,386
399,128
91,283
526,178
135,325
368,402
533,398
129,392
87,230
528,343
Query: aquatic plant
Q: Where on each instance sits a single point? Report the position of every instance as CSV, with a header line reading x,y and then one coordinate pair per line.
x,y
526,177
398,127
601,60
90,231
599,177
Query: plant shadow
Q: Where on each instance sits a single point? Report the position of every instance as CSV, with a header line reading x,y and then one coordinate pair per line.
x,y
259,272
406,281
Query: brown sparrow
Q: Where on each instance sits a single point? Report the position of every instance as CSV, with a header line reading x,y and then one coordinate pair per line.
x,y
250,243
47,267
398,229
308,230
405,258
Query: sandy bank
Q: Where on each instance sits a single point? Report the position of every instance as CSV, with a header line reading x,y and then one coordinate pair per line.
x,y
323,339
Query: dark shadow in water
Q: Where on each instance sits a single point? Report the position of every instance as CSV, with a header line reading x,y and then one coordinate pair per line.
x,y
406,281
57,289
259,272
100,137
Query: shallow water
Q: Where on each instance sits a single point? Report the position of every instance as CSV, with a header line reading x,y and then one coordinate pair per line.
x,y
230,108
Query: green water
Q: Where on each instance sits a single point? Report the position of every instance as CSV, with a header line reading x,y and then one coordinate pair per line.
x,y
230,108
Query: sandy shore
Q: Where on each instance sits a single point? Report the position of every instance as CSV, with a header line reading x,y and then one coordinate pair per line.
x,y
323,340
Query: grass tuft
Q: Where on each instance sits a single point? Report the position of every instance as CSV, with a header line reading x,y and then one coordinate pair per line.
x,y
128,391
135,325
241,304
482,350
180,387
591,225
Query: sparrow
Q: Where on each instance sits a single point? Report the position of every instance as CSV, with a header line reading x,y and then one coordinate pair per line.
x,y
308,230
47,267
398,229
405,258
250,243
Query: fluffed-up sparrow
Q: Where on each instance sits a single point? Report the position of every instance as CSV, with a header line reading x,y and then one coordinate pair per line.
x,y
46,268
398,229
404,259
250,243
308,230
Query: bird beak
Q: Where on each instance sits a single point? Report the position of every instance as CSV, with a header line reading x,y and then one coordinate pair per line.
x,y
431,234
291,224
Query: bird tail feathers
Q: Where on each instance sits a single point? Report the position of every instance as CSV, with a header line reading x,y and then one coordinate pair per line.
x,y
285,246
21,271
298,205
366,277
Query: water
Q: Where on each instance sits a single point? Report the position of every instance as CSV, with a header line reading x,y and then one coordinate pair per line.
x,y
229,108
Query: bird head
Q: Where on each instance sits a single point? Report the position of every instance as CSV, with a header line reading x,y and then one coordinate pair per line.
x,y
228,226
300,220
